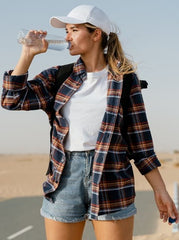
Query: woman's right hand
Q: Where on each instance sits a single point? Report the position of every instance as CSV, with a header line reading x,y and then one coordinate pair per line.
x,y
35,43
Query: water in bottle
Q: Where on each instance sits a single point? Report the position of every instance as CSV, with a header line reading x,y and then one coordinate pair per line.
x,y
54,42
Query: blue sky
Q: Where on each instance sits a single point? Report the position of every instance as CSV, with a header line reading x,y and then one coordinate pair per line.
x,y
149,35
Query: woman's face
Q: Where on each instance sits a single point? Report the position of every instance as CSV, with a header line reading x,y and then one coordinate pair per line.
x,y
81,40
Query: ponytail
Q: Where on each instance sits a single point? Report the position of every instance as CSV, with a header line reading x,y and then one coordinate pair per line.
x,y
114,54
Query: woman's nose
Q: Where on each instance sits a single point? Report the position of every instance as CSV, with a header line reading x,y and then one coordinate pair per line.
x,y
68,37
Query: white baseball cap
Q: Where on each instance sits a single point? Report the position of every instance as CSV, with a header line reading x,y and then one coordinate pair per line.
x,y
84,14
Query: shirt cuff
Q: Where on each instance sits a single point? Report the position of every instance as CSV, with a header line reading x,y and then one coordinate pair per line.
x,y
14,82
148,164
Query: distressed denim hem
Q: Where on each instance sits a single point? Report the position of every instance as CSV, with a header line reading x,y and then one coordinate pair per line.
x,y
119,215
63,219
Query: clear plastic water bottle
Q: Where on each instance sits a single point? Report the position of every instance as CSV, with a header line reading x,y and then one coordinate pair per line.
x,y
54,42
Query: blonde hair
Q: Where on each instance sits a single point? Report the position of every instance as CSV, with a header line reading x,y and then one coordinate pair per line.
x,y
114,53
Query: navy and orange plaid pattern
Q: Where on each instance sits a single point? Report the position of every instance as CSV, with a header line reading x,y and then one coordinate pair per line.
x,y
113,181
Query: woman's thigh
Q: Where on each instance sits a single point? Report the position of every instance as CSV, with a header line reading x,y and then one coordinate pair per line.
x,y
115,229
63,231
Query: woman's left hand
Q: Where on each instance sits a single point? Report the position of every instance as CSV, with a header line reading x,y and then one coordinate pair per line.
x,y
163,200
166,206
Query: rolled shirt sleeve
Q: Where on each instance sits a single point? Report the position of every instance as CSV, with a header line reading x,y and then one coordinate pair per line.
x,y
139,135
20,94
14,82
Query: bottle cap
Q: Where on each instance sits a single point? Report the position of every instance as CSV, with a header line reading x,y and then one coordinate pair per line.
x,y
171,220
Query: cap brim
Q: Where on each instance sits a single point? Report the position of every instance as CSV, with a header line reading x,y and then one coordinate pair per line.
x,y
60,22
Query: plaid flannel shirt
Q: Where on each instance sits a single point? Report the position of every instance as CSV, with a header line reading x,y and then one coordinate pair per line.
x,y
113,180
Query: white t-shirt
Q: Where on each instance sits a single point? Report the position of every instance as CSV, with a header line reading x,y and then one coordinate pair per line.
x,y
84,112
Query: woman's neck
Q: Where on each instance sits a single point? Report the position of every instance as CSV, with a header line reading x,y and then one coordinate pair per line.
x,y
94,63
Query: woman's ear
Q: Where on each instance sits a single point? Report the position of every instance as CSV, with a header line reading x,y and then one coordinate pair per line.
x,y
97,34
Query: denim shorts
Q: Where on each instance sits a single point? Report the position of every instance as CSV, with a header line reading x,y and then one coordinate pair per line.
x,y
71,200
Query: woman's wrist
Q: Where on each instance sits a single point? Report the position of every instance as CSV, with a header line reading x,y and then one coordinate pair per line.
x,y
155,180
24,63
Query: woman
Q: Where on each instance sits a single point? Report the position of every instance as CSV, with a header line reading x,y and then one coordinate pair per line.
x,y
93,131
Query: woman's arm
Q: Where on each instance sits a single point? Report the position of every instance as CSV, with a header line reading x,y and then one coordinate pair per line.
x,y
142,151
20,94
29,52
163,200
139,139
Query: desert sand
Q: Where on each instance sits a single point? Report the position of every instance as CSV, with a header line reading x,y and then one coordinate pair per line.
x,y
23,175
